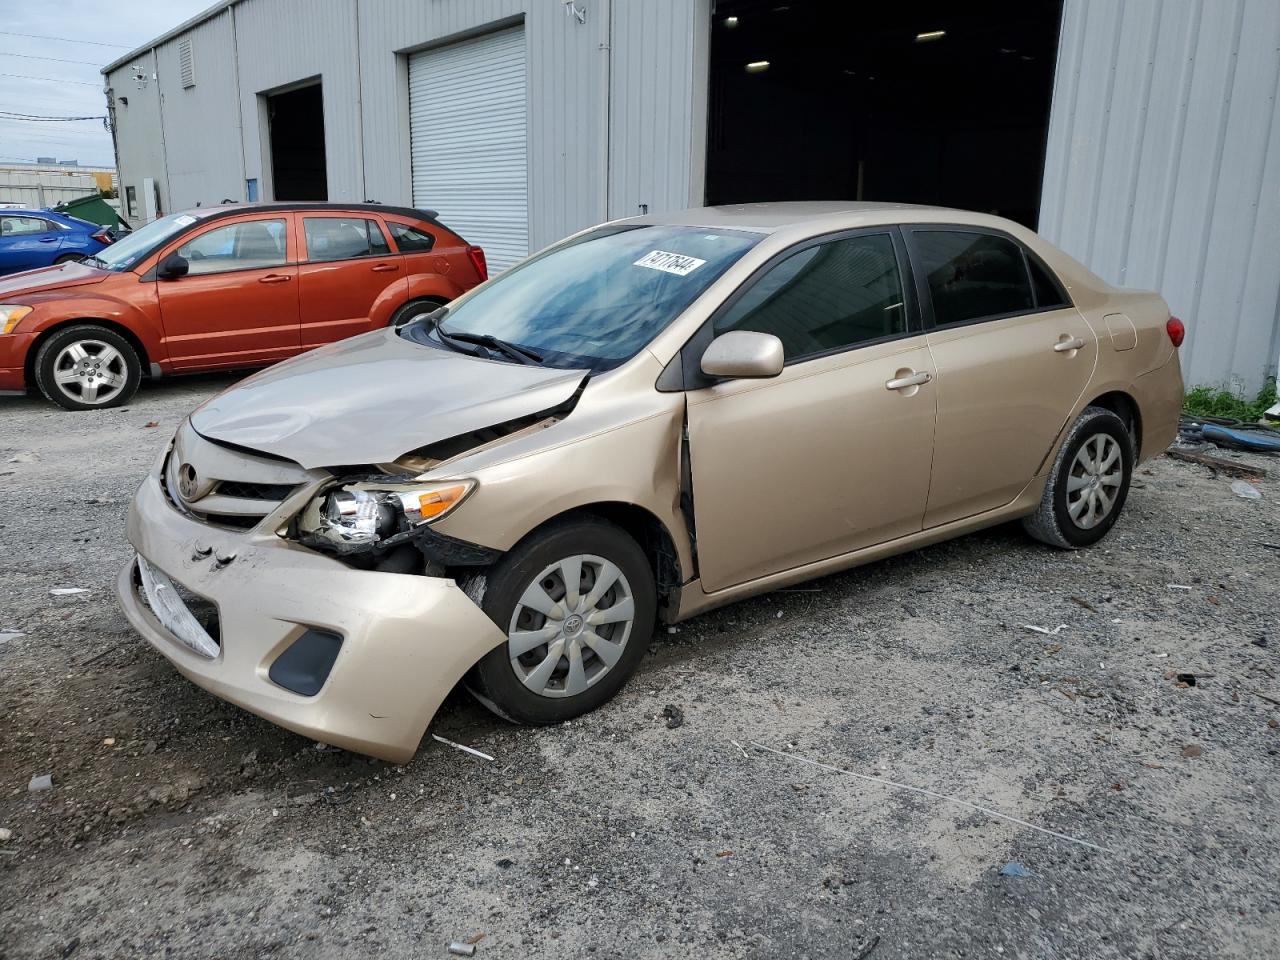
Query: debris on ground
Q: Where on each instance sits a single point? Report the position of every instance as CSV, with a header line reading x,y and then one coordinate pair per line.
x,y
1192,750
1014,869
24,456
1180,586
43,781
1081,602
1245,490
460,949
866,951
1045,630
7,635
68,591
5,834
458,746
674,715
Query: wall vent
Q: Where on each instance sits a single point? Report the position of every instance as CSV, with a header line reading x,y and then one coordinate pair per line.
x,y
186,64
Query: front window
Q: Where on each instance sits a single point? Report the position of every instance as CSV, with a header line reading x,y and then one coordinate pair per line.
x,y
248,245
598,300
124,253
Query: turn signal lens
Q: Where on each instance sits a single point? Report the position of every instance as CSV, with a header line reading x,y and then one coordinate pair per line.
x,y
423,505
11,314
1177,331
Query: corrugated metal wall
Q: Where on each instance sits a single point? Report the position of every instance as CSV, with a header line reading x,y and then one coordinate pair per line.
x,y
1163,166
203,122
648,134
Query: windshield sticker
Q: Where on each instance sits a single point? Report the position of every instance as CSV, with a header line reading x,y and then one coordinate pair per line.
x,y
676,263
184,220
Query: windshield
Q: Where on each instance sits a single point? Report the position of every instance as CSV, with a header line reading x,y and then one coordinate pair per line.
x,y
598,300
124,253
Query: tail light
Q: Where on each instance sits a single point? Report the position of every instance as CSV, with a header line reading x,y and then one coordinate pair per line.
x,y
104,236
477,260
1177,331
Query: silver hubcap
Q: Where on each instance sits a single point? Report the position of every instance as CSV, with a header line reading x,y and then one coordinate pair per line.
x,y
90,371
570,626
1094,481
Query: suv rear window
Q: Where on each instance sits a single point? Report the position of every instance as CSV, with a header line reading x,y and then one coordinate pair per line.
x,y
410,239
973,275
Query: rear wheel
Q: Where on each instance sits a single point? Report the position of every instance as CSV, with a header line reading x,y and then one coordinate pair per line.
x,y
414,309
68,258
577,602
87,367
1089,482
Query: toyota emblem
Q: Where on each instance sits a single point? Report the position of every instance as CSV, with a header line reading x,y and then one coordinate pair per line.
x,y
187,482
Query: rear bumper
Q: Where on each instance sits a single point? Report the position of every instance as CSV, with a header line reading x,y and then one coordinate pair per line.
x,y
1159,395
406,640
13,359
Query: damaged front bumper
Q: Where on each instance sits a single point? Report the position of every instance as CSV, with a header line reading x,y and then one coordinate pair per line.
x,y
402,642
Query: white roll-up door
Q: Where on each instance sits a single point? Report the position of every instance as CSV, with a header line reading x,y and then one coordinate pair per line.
x,y
467,105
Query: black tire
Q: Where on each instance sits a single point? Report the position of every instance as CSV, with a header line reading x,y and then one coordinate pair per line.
x,y
68,258
494,680
413,309
90,335
1053,522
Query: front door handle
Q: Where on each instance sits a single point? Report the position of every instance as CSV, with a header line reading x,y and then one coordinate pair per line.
x,y
908,381
386,267
1066,346
275,278
48,239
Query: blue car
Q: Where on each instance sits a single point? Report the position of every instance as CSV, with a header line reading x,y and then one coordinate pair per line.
x,y
38,238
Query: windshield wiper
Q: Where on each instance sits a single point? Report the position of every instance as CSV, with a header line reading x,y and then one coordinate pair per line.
x,y
511,350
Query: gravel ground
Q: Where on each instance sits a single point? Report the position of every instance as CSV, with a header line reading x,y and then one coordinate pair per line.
x,y
180,826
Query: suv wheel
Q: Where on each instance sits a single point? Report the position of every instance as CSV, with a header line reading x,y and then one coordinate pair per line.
x,y
1088,484
87,367
577,602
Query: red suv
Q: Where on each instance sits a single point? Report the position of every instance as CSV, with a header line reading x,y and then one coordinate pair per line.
x,y
223,287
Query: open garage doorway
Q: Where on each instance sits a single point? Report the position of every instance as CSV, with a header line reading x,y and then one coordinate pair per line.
x,y
296,120
919,101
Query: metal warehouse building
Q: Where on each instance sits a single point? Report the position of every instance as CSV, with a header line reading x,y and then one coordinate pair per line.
x,y
1139,135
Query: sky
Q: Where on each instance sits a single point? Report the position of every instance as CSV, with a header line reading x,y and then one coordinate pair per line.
x,y
61,78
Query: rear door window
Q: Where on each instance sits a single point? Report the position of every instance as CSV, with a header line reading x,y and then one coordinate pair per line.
x,y
343,238
248,245
973,276
411,239
24,226
826,297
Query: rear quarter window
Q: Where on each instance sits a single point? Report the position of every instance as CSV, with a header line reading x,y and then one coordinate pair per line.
x,y
411,239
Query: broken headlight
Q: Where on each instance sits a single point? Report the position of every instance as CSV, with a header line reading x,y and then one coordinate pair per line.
x,y
358,516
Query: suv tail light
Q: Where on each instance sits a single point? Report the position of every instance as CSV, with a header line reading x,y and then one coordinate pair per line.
x,y
477,260
1177,331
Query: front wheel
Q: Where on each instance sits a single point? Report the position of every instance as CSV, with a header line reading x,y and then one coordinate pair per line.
x,y
1089,482
577,602
87,367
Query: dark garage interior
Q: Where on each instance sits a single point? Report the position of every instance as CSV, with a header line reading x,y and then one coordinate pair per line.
x,y
920,102
297,144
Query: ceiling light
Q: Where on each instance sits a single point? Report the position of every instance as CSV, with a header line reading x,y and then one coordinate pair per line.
x,y
930,35
730,22
757,66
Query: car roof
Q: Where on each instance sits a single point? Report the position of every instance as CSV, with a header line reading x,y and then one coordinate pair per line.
x,y
232,209
773,217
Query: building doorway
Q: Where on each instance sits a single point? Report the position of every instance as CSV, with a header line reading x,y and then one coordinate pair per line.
x,y
296,122
924,101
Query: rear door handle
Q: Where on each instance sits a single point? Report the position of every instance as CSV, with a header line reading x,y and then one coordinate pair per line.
x,y
386,267
48,239
274,278
1065,346
911,380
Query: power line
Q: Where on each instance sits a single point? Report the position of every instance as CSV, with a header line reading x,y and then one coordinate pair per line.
x,y
40,36
27,76
9,115
30,56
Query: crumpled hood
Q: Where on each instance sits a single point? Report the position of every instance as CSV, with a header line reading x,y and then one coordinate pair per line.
x,y
49,278
373,398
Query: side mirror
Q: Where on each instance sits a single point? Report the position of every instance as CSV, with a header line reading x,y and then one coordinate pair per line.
x,y
172,267
743,354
